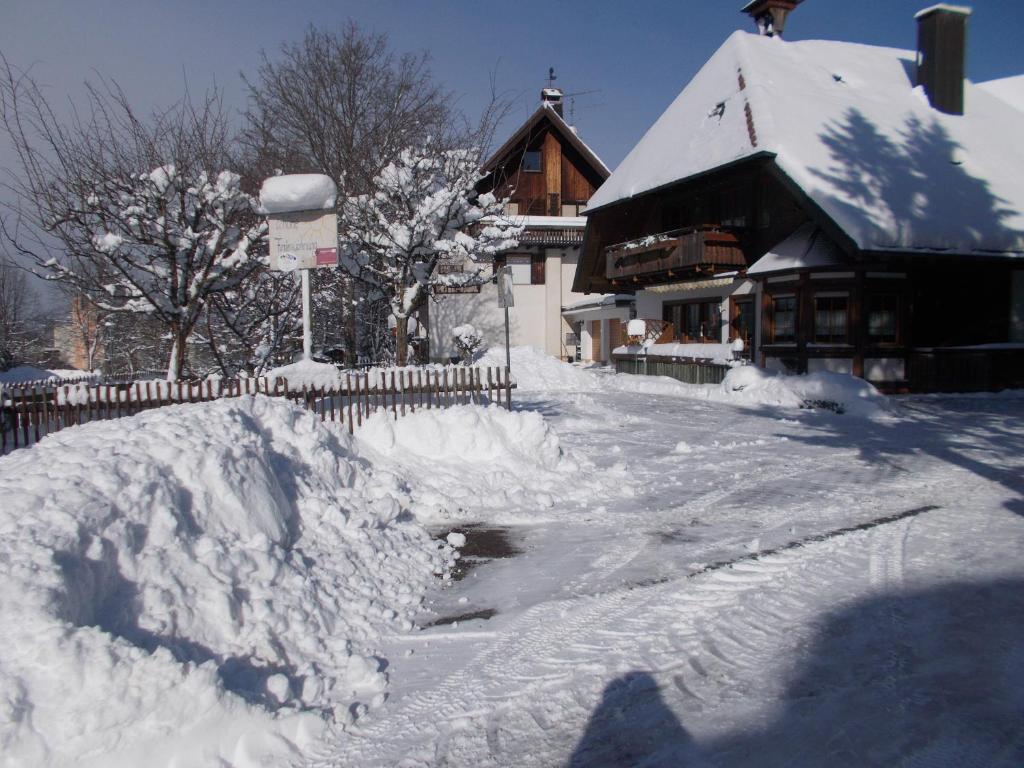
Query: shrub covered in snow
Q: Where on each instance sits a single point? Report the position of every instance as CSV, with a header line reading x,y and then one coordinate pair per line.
x,y
201,583
468,340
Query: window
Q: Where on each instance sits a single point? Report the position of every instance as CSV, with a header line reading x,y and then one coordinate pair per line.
x,y
742,321
695,321
883,318
526,270
830,319
573,209
783,319
520,269
531,161
732,207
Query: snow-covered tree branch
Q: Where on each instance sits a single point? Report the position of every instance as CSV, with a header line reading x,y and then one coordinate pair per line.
x,y
139,216
425,212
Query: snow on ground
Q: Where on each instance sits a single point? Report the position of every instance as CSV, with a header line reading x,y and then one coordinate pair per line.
x,y
535,371
203,583
797,587
712,575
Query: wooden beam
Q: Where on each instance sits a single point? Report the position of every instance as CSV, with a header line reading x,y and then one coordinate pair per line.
x,y
552,161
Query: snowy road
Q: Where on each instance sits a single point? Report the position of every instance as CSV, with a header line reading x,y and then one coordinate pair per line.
x,y
727,598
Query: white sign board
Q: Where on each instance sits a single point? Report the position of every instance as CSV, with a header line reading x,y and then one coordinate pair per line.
x,y
505,296
303,240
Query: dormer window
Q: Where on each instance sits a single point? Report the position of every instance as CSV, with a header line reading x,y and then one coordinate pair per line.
x,y
531,161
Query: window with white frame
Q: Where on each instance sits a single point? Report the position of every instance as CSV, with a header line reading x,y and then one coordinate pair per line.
x,y
521,268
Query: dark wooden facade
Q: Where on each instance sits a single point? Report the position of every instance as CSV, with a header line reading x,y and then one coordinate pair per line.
x,y
748,201
544,169
907,315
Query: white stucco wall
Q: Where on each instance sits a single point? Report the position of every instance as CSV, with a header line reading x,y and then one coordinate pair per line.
x,y
535,320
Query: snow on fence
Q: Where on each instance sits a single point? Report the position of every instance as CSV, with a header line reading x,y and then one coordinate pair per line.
x,y
28,413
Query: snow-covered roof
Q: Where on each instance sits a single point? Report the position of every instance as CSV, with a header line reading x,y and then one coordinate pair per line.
x,y
605,300
1009,89
297,192
845,122
551,222
808,247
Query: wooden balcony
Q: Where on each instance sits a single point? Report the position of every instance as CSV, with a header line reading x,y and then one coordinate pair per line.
x,y
673,256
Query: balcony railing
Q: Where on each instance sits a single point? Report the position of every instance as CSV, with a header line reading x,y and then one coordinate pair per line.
x,y
681,253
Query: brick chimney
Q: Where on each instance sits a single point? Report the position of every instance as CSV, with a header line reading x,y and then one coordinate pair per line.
x,y
941,55
770,15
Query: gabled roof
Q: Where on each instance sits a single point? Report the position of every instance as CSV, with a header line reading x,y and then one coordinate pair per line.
x,y
1009,89
846,124
563,128
807,248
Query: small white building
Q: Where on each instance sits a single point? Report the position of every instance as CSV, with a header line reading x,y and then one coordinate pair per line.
x,y
548,175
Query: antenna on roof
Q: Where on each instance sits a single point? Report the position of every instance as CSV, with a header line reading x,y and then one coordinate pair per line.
x,y
551,77
572,102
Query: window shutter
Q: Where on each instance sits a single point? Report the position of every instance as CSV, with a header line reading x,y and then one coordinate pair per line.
x,y
537,271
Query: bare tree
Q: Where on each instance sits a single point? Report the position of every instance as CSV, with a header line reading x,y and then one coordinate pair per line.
x,y
250,328
138,215
344,104
15,300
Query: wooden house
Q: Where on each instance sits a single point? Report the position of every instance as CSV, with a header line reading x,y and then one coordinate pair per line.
x,y
840,207
548,174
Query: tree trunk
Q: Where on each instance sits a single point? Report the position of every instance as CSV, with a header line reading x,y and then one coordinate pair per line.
x,y
401,339
177,361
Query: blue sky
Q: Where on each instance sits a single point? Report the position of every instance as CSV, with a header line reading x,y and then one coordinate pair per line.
x,y
638,54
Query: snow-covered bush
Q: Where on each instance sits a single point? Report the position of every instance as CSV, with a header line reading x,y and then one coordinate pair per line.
x,y
468,341
425,211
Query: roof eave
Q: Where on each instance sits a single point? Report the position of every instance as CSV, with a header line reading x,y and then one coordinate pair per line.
x,y
759,155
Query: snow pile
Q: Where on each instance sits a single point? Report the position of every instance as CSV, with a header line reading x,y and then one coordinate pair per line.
x,y
534,370
298,192
832,391
470,458
198,585
308,373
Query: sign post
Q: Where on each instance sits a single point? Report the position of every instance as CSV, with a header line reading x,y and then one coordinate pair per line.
x,y
301,237
506,299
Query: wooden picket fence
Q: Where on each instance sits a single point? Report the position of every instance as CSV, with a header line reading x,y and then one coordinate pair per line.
x,y
31,412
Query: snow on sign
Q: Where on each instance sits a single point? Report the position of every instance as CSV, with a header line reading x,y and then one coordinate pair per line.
x,y
303,240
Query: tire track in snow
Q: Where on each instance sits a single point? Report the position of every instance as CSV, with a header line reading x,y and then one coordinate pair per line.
x,y
688,643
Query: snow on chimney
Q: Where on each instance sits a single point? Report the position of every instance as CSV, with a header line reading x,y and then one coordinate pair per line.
x,y
770,15
552,97
941,54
